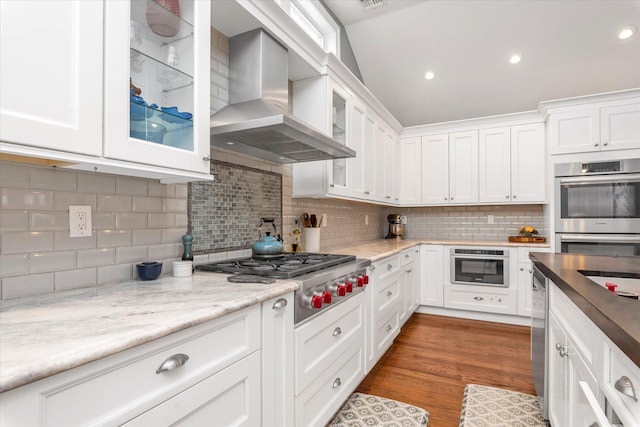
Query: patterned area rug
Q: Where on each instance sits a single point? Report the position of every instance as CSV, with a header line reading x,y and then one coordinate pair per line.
x,y
365,410
484,406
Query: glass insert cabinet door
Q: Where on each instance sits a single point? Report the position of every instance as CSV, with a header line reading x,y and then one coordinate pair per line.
x,y
161,80
339,133
157,82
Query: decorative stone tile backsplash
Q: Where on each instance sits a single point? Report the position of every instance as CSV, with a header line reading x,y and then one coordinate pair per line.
x,y
224,214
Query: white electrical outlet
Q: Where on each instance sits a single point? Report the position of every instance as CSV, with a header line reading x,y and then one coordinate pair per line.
x,y
403,219
491,219
79,221
366,219
324,220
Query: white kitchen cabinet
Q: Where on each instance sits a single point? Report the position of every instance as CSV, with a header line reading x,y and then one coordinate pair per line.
x,y
384,304
329,361
380,164
51,79
370,158
592,127
495,165
617,366
277,361
325,104
218,378
524,277
391,181
575,362
463,167
409,282
450,168
435,169
512,164
410,171
432,275
171,70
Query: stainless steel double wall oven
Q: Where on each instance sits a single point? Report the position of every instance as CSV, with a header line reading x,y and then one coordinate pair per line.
x,y
597,207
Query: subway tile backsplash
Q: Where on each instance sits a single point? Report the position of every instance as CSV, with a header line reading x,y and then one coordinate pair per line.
x,y
133,220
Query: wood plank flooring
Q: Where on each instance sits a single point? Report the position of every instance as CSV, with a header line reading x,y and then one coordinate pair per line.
x,y
434,357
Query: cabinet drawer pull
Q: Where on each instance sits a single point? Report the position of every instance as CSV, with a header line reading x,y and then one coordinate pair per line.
x,y
337,383
372,267
337,331
594,424
389,293
625,386
173,362
280,303
409,271
389,328
407,255
521,268
478,298
367,192
389,266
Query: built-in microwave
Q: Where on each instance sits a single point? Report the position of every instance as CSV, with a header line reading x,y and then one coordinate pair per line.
x,y
598,197
486,267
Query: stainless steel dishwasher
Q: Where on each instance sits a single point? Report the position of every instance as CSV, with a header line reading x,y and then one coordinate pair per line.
x,y
539,337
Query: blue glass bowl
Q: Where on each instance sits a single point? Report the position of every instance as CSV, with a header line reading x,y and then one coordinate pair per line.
x,y
149,270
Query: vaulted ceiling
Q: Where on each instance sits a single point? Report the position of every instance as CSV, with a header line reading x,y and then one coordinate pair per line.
x,y
569,48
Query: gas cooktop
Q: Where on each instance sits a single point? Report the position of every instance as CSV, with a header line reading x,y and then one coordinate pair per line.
x,y
287,266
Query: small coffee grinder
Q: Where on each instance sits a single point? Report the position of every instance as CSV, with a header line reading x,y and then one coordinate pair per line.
x,y
396,227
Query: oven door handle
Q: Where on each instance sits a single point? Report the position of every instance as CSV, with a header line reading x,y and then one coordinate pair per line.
x,y
614,179
606,238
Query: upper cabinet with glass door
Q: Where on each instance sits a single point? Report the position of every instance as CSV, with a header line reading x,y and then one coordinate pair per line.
x,y
339,133
157,83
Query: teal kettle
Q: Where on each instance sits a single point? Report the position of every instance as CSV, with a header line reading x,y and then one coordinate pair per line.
x,y
268,246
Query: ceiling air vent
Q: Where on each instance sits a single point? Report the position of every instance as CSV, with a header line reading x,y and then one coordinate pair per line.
x,y
371,4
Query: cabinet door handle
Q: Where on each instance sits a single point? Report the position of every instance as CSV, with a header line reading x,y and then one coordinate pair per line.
x,y
389,293
337,383
446,198
478,298
594,424
280,303
389,266
407,255
409,271
337,331
372,267
367,192
206,158
521,268
625,386
605,143
173,362
389,328
507,196
514,196
562,350
595,144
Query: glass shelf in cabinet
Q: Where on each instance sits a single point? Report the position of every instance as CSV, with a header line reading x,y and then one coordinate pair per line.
x,y
170,122
139,11
169,77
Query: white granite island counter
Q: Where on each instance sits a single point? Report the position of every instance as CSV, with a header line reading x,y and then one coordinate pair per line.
x,y
47,334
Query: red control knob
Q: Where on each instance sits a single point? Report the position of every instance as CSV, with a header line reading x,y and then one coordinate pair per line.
x,y
341,290
316,301
349,286
326,297
366,279
360,281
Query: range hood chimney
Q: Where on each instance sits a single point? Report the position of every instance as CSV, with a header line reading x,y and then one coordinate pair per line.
x,y
257,122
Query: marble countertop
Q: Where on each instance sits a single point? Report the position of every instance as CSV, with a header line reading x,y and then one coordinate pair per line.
x,y
44,335
617,317
379,249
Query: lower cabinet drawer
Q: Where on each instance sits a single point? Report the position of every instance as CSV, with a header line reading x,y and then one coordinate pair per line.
x,y
321,400
115,389
387,294
484,299
387,329
622,370
319,343
230,397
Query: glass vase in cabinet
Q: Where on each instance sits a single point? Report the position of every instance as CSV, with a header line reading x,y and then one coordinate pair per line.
x,y
157,83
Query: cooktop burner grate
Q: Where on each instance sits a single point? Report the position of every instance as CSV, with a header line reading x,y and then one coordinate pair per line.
x,y
287,266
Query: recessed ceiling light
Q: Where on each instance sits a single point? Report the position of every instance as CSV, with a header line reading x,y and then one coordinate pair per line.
x,y
626,32
515,58
429,75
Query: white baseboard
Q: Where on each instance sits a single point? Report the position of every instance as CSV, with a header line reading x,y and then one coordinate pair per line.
x,y
475,315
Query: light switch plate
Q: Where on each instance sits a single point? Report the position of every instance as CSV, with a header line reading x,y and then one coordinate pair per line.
x,y
79,221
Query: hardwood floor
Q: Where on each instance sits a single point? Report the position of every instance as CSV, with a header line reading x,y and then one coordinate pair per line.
x,y
434,357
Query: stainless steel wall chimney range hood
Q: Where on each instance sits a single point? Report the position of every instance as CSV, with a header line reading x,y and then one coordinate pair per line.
x,y
257,122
